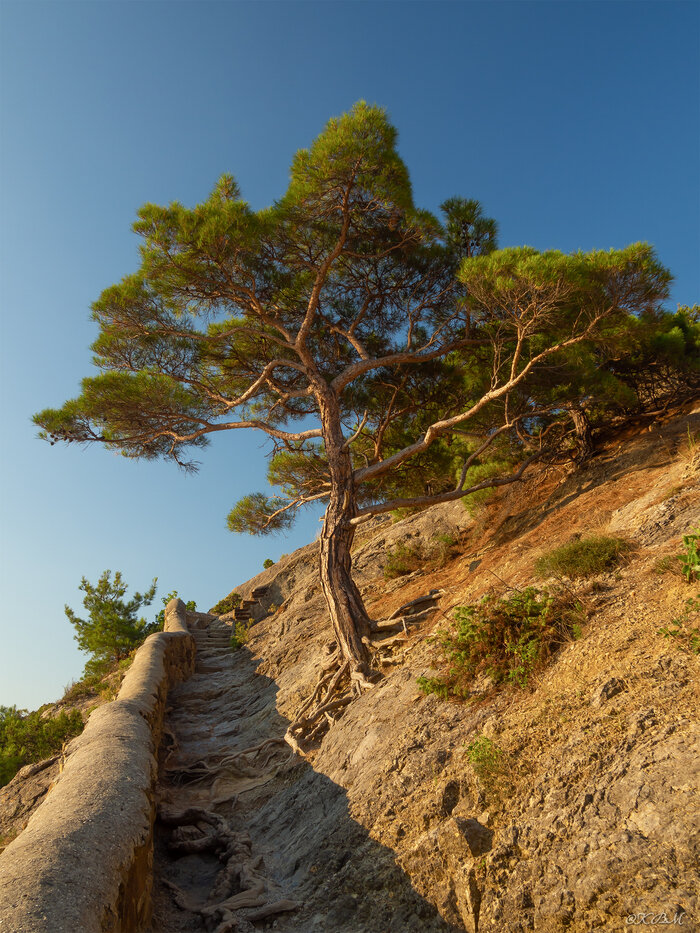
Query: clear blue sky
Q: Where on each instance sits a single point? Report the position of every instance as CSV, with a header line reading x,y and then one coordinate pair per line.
x,y
577,125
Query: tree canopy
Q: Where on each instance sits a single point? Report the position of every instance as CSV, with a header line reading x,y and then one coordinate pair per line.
x,y
113,628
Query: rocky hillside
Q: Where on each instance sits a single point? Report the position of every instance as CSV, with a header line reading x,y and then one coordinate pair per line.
x,y
569,803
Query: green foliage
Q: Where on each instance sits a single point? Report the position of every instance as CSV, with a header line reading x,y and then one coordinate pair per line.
x,y
406,558
237,318
190,605
668,564
692,444
267,563
240,636
403,559
478,474
486,758
507,638
582,557
468,231
444,546
113,628
690,560
28,737
258,514
685,630
434,685
227,604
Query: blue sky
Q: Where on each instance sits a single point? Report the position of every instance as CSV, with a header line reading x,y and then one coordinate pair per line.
x,y
576,124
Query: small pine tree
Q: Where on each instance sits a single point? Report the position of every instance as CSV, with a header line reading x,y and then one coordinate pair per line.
x,y
159,623
113,628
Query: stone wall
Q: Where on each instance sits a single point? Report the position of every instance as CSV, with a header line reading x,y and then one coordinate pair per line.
x,y
84,860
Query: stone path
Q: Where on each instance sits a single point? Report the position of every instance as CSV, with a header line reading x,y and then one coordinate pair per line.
x,y
249,836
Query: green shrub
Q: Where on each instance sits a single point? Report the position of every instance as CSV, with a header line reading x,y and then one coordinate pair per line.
x,y
268,562
190,605
227,604
112,629
240,636
582,558
434,685
668,564
85,687
685,630
27,737
485,757
403,559
477,474
506,638
690,560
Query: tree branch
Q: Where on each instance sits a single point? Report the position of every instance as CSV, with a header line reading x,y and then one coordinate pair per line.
x,y
365,513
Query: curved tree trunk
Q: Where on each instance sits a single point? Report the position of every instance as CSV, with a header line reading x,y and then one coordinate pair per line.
x,y
347,611
584,436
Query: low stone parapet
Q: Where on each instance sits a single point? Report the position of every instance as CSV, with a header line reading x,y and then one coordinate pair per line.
x,y
84,861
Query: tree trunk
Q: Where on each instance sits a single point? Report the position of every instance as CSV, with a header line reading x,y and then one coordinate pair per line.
x,y
584,437
347,611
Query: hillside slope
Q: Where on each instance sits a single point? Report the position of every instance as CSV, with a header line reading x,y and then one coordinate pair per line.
x,y
587,817
568,804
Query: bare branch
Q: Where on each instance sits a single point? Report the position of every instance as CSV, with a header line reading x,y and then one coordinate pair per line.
x,y
442,427
357,433
365,513
414,357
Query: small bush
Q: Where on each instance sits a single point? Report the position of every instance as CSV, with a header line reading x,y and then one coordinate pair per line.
x,y
28,737
240,636
403,559
434,685
690,560
685,630
268,562
159,623
582,558
485,757
443,547
406,558
87,687
477,474
227,604
507,638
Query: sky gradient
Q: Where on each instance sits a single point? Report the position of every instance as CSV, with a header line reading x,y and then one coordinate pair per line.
x,y
576,124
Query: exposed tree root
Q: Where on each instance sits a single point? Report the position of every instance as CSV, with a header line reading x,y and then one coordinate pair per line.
x,y
240,884
270,909
338,685
253,762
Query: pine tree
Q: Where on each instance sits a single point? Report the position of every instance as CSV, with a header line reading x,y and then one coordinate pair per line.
x,y
113,628
320,309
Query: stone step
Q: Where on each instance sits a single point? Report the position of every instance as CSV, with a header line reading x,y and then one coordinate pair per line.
x,y
258,592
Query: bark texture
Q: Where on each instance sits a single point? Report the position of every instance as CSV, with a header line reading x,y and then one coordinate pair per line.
x,y
345,605
584,436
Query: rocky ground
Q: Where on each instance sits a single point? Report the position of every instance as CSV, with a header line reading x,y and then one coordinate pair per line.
x,y
585,815
588,819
